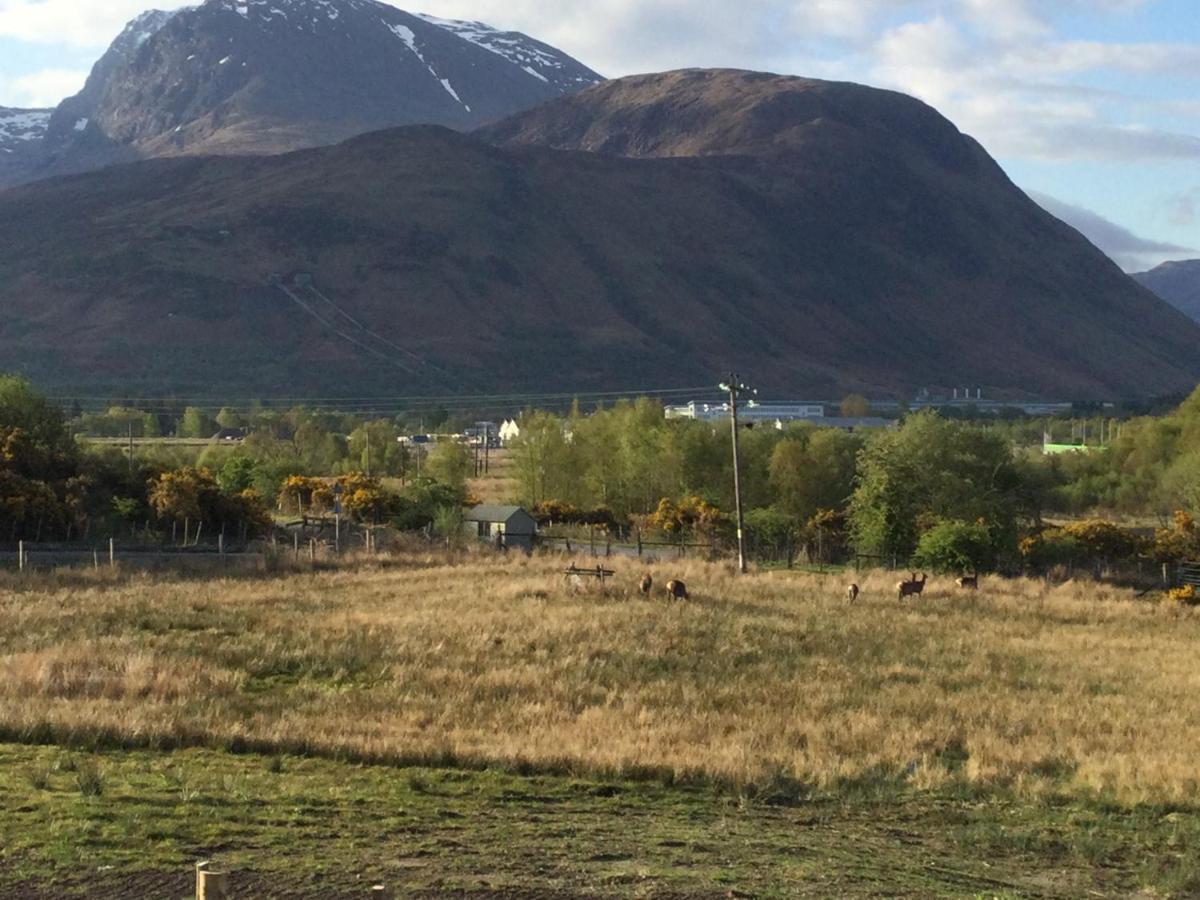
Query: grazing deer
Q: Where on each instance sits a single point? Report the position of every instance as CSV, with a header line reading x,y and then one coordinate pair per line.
x,y
912,587
968,581
646,583
677,590
852,593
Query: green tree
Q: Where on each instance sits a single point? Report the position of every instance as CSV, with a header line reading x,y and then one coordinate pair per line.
x,y
227,418
813,469
451,463
196,424
543,460
928,470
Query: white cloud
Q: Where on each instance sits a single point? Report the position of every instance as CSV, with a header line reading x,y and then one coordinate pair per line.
x,y
41,89
997,68
1018,97
82,23
1131,252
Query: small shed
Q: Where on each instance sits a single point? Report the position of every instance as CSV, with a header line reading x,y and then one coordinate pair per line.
x,y
510,527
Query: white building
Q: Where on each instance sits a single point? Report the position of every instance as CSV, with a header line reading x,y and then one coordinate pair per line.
x,y
509,432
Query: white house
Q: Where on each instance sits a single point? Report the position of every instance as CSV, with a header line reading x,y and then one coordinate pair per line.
x,y
509,431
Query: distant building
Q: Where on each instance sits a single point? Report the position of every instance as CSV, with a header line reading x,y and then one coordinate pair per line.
x,y
769,412
483,434
232,435
509,432
510,527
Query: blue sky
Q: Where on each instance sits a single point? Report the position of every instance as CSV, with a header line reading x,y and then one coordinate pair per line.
x,y
1093,105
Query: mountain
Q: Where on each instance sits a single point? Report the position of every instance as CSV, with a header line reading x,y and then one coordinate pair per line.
x,y
1178,283
21,135
820,238
270,76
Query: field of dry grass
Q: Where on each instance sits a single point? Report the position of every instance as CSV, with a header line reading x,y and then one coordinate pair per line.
x,y
768,678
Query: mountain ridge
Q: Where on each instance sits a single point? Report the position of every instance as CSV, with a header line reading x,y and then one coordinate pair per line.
x,y
269,76
877,253
1177,282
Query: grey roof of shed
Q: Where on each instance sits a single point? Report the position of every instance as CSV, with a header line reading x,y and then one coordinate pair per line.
x,y
494,513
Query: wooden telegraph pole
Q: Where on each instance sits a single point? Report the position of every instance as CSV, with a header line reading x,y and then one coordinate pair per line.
x,y
735,387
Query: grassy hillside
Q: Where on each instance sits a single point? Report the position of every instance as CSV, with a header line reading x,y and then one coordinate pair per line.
x,y
874,253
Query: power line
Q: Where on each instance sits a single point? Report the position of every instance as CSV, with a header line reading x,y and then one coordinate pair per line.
x,y
478,405
638,392
337,404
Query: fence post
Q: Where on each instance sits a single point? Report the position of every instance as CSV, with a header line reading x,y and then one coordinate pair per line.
x,y
112,553
1166,572
20,556
639,542
210,885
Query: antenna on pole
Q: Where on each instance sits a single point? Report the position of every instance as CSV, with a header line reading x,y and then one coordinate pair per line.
x,y
734,387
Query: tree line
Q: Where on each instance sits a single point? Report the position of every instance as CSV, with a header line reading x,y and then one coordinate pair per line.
x,y
935,492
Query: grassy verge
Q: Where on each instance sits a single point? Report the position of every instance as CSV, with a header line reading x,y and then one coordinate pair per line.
x,y
127,822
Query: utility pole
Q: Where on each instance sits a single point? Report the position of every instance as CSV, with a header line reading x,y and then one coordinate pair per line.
x,y
735,387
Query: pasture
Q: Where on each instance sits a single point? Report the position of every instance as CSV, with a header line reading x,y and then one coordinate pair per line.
x,y
1036,735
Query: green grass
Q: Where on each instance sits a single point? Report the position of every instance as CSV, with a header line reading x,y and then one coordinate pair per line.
x,y
293,827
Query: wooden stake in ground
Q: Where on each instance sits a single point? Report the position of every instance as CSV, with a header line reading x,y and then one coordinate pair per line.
x,y
211,885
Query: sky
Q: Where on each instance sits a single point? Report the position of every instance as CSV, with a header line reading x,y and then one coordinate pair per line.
x,y
1091,106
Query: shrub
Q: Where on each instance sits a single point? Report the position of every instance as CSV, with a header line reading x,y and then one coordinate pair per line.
x,y
1052,547
1100,539
1185,595
89,780
955,546
1179,542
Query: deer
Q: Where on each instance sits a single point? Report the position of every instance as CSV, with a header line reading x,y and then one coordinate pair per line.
x,y
968,581
912,587
677,590
646,584
852,593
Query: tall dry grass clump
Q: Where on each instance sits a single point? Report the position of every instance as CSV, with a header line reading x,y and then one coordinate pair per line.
x,y
1022,683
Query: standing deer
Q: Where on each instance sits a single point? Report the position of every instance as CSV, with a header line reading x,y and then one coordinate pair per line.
x,y
910,588
677,590
852,593
646,584
968,581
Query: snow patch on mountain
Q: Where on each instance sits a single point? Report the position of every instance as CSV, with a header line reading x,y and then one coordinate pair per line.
x,y
409,37
521,50
22,126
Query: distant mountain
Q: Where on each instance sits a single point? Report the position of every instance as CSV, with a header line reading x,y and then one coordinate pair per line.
x,y
269,76
21,135
820,238
1178,283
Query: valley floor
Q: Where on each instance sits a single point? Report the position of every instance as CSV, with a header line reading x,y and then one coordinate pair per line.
x,y
474,725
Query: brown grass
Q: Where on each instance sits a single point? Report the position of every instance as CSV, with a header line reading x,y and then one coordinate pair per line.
x,y
1024,684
